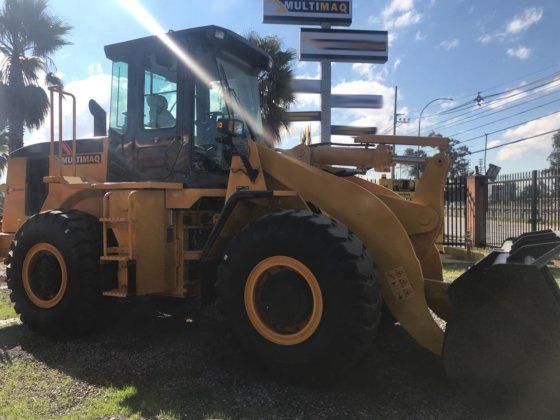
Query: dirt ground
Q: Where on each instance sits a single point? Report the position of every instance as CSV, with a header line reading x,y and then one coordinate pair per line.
x,y
158,367
192,371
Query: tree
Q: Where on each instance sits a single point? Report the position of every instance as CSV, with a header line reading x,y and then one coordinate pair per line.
x,y
29,36
275,85
3,150
459,165
554,157
415,171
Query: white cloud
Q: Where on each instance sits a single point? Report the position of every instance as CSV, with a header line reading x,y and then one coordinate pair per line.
x,y
512,96
449,44
420,36
485,38
520,52
396,7
306,102
369,71
396,64
493,143
397,14
525,20
96,86
540,145
406,19
95,68
518,24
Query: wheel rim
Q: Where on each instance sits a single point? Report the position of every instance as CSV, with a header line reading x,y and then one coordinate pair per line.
x,y
45,277
283,300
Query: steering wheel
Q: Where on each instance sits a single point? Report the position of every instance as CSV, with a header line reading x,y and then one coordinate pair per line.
x,y
205,155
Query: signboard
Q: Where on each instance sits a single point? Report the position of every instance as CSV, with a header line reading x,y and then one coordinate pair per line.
x,y
348,130
306,85
357,101
308,12
304,116
344,45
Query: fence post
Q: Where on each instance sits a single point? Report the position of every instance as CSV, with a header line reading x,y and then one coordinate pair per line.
x,y
534,202
477,196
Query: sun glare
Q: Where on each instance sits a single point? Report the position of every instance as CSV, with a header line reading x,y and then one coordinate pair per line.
x,y
137,10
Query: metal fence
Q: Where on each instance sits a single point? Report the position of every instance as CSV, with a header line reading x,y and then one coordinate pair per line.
x,y
455,223
522,202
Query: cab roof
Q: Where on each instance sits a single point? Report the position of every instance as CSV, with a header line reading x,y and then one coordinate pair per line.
x,y
220,37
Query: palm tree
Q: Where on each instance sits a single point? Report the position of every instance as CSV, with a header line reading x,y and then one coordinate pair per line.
x,y
29,36
3,151
275,85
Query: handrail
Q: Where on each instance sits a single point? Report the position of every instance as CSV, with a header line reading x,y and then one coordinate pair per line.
x,y
61,93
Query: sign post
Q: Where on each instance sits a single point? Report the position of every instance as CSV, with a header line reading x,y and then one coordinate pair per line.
x,y
327,45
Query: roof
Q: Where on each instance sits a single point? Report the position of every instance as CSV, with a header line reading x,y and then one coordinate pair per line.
x,y
231,41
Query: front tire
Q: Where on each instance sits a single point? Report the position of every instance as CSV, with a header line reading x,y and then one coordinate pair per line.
x,y
54,274
298,291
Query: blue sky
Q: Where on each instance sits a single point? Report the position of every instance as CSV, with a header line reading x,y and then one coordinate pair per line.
x,y
439,48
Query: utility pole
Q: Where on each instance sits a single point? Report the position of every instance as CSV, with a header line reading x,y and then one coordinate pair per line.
x,y
394,131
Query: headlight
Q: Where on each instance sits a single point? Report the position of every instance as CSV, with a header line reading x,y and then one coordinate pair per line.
x,y
230,127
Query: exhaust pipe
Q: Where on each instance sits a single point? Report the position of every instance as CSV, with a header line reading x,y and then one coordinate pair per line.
x,y
99,118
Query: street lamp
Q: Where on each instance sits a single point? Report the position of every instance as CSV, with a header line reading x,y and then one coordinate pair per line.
x,y
427,105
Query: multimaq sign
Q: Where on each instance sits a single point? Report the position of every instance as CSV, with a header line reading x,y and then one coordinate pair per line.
x,y
91,159
303,12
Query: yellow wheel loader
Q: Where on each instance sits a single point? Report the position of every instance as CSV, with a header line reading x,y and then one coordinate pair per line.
x,y
183,197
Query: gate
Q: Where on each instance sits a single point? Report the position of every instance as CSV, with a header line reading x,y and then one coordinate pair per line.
x,y
455,223
522,202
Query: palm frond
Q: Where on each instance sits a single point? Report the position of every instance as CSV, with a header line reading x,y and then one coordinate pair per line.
x,y
35,106
53,80
275,84
29,35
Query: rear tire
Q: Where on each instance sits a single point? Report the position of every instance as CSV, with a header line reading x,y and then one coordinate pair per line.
x,y
54,273
339,289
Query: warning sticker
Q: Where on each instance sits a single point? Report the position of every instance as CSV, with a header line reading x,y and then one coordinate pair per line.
x,y
398,281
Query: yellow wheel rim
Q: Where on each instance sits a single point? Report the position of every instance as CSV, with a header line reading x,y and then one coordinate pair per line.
x,y
296,332
44,274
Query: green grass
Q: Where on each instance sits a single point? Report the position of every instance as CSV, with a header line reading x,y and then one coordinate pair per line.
x,y
30,389
6,306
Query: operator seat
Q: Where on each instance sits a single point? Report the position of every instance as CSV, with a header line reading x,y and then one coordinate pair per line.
x,y
160,117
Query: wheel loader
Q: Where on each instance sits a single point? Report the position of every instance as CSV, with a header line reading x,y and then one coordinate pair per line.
x,y
184,200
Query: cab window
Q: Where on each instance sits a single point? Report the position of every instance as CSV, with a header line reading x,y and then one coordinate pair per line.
x,y
119,97
160,93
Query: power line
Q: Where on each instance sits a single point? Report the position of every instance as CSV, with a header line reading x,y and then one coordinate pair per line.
x,y
453,120
521,90
498,85
490,112
504,118
515,141
466,104
507,128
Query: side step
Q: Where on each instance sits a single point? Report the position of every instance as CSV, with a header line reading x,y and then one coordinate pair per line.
x,y
126,276
117,293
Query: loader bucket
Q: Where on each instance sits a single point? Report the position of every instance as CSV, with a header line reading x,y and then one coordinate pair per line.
x,y
504,332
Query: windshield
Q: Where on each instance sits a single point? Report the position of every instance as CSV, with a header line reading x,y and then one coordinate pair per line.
x,y
211,152
244,88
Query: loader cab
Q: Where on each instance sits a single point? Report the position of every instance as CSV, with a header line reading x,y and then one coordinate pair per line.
x,y
167,108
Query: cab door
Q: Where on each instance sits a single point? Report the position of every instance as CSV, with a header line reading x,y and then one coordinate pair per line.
x,y
159,133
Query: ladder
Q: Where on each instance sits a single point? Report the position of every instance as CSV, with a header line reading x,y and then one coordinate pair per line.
x,y
124,256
